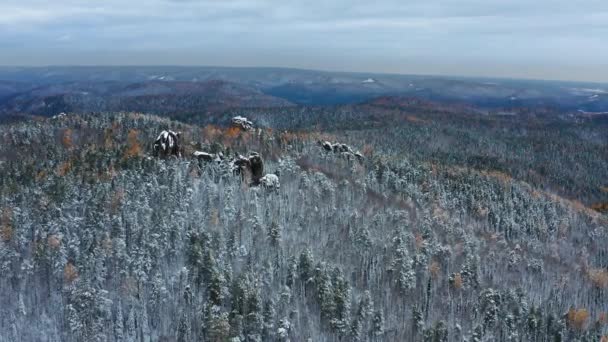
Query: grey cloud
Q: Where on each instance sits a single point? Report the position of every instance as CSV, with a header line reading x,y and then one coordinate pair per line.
x,y
556,37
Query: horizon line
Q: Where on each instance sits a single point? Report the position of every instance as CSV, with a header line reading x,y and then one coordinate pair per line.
x,y
368,73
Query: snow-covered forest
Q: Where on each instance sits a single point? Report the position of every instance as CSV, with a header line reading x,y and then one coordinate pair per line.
x,y
101,241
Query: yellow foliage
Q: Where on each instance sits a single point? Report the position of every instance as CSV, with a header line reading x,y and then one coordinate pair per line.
x,y
599,278
577,318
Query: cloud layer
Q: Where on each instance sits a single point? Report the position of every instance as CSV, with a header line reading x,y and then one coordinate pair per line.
x,y
552,39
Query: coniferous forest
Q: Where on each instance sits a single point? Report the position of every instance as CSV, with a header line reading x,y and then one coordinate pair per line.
x,y
453,226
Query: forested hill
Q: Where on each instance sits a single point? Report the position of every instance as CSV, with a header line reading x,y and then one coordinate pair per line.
x,y
100,241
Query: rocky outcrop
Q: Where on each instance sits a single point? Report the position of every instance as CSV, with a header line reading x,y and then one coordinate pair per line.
x,y
270,182
167,144
59,116
242,123
342,150
251,168
208,157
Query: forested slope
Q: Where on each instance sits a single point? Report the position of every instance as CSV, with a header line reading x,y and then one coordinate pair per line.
x,y
101,242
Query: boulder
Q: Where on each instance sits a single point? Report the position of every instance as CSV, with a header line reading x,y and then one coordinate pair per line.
x,y
242,122
270,181
203,156
343,150
251,168
327,146
208,157
167,144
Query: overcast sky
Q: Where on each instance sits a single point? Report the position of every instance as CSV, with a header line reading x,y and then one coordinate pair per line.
x,y
548,39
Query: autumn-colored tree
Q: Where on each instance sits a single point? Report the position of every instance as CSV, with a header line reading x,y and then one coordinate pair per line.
x,y
64,168
577,318
116,200
211,133
70,272
230,135
53,241
40,175
66,138
435,269
602,318
133,146
456,280
602,207
6,227
599,278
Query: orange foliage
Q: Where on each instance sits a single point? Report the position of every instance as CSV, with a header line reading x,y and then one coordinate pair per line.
x,y
578,318
368,150
129,286
194,173
599,278
603,318
232,132
40,175
108,136
604,338
602,207
536,194
54,241
215,217
106,243
133,146
435,269
414,119
116,200
64,168
70,273
481,212
457,281
211,132
66,138
501,176
419,241
578,205
6,227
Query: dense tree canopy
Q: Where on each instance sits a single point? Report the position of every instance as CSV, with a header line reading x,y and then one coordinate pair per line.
x,y
99,241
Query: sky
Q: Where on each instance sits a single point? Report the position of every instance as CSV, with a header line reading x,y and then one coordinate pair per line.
x,y
542,39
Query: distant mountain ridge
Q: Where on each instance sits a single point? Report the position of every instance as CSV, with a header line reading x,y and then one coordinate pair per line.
x,y
159,97
175,91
